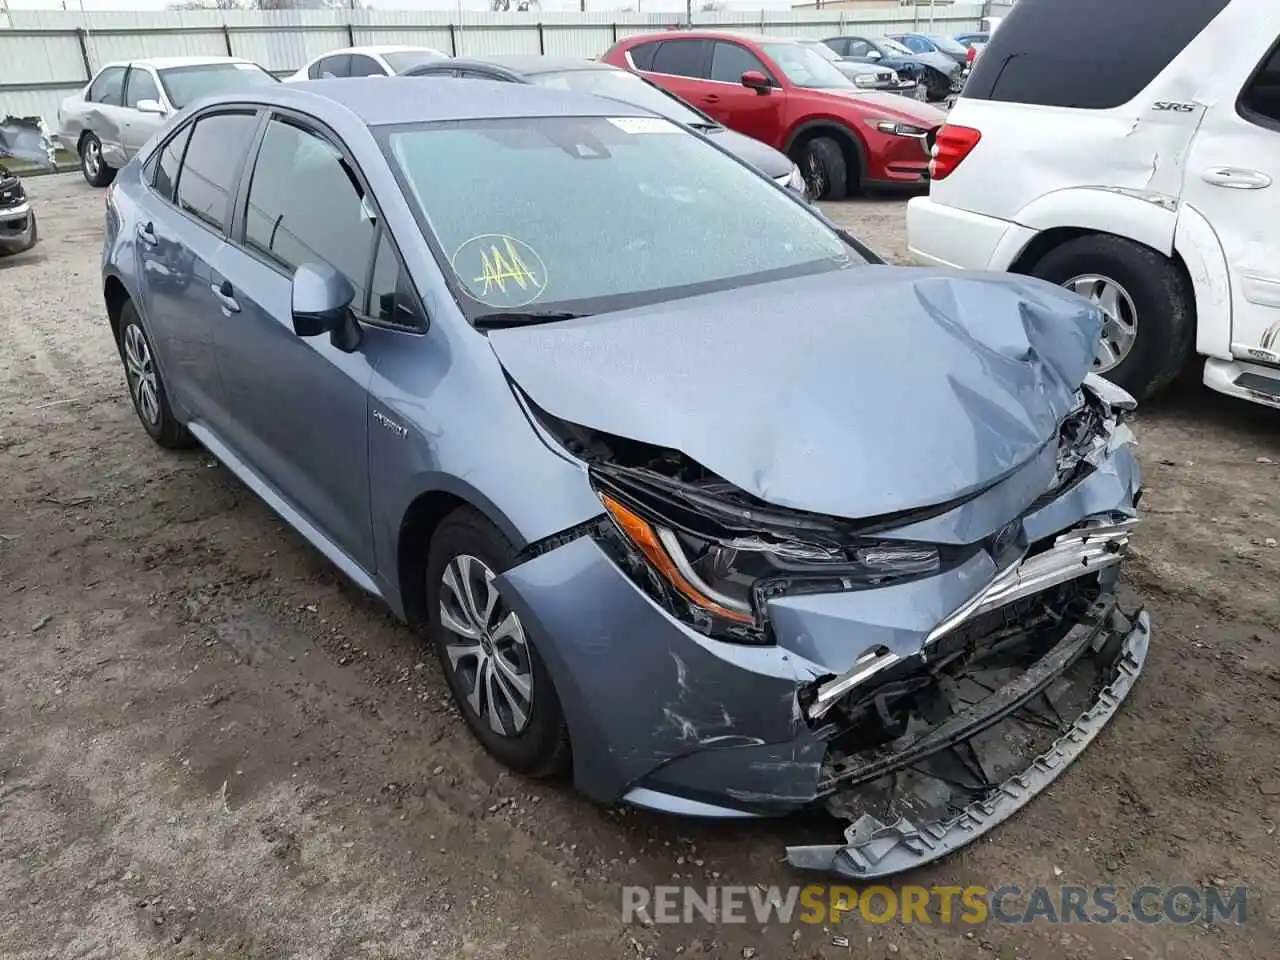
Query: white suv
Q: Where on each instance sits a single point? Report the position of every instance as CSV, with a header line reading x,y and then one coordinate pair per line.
x,y
1130,151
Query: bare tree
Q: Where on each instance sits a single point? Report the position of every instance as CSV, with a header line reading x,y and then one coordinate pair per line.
x,y
515,6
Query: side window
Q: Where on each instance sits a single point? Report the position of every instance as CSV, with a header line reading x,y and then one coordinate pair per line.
x,y
857,48
139,86
386,297
109,87
211,166
839,45
362,66
476,75
283,221
1027,60
682,58
729,61
1260,100
169,162
642,55
916,44
333,67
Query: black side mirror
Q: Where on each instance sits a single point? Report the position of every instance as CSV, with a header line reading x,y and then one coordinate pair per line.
x,y
322,304
757,81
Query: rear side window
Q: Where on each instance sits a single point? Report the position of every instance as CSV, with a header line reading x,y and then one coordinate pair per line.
x,y
339,66
642,55
1260,99
682,58
109,87
211,166
170,161
1091,54
283,221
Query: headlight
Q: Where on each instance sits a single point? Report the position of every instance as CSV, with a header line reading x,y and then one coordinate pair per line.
x,y
865,80
721,583
898,129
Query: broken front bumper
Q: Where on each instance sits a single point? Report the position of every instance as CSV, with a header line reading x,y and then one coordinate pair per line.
x,y
905,815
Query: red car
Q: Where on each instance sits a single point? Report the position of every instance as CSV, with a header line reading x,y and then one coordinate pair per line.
x,y
786,95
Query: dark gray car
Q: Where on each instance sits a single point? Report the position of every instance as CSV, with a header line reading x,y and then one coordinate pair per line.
x,y
681,482
605,80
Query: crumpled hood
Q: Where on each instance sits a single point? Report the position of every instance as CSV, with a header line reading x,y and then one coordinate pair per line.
x,y
854,393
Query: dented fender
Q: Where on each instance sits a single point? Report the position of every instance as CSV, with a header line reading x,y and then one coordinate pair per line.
x,y
1146,216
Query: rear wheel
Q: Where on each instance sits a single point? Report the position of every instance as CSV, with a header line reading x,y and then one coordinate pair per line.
x,y
824,169
146,388
495,674
95,169
1147,304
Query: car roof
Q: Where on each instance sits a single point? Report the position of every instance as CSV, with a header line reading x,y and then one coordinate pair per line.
x,y
378,101
714,35
380,49
165,63
530,64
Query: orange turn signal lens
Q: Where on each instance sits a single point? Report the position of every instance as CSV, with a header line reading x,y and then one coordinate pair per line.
x,y
640,533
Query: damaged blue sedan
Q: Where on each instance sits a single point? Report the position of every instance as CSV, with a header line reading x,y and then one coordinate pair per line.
x,y
688,489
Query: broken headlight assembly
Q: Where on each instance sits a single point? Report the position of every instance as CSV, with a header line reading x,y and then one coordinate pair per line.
x,y
718,577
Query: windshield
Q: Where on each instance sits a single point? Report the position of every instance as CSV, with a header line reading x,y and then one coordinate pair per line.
x,y
949,44
403,61
892,48
588,214
804,67
627,87
822,50
184,84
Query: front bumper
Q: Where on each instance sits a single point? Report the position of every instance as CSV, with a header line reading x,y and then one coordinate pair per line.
x,y
17,228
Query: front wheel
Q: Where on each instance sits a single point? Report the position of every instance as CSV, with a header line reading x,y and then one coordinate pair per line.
x,y
495,674
1147,303
823,166
92,165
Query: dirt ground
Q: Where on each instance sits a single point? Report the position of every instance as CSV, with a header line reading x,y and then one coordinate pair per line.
x,y
212,746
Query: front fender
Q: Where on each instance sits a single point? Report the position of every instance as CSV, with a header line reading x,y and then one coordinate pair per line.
x,y
835,123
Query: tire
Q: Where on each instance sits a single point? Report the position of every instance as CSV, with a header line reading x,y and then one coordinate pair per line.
x,y
95,169
146,388
1152,289
937,86
825,173
467,548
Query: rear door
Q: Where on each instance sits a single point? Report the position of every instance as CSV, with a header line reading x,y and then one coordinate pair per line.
x,y
681,66
105,114
338,65
188,213
1233,179
138,127
299,406
363,66
737,107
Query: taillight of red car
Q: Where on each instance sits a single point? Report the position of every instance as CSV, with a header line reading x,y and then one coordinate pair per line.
x,y
972,55
953,144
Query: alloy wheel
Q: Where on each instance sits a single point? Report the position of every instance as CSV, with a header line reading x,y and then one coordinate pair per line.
x,y
1120,318
815,175
487,648
140,371
92,157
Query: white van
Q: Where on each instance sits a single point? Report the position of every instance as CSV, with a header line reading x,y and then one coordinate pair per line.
x,y
1130,150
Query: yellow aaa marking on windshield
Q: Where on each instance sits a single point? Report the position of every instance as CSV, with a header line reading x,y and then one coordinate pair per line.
x,y
500,270
498,265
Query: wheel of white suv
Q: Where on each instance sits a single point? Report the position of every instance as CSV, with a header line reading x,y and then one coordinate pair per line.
x,y
1147,303
146,388
495,674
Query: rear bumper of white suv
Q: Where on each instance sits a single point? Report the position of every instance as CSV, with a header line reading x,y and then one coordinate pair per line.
x,y
945,236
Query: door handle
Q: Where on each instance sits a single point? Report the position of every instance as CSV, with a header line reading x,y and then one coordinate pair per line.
x,y
225,295
711,98
1236,178
147,234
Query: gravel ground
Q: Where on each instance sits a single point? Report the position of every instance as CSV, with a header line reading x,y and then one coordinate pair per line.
x,y
212,746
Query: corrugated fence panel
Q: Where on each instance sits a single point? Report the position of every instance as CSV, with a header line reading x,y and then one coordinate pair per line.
x,y
41,59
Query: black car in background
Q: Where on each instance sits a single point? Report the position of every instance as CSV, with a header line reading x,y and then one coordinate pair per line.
x,y
614,83
25,140
936,72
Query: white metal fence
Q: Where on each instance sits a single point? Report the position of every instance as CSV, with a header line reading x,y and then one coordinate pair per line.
x,y
47,54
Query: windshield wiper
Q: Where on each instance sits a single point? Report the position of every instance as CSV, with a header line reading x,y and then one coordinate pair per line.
x,y
519,318
706,127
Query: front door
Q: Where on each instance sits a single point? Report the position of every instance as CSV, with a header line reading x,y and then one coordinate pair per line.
x,y
299,406
138,125
1233,178
741,108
